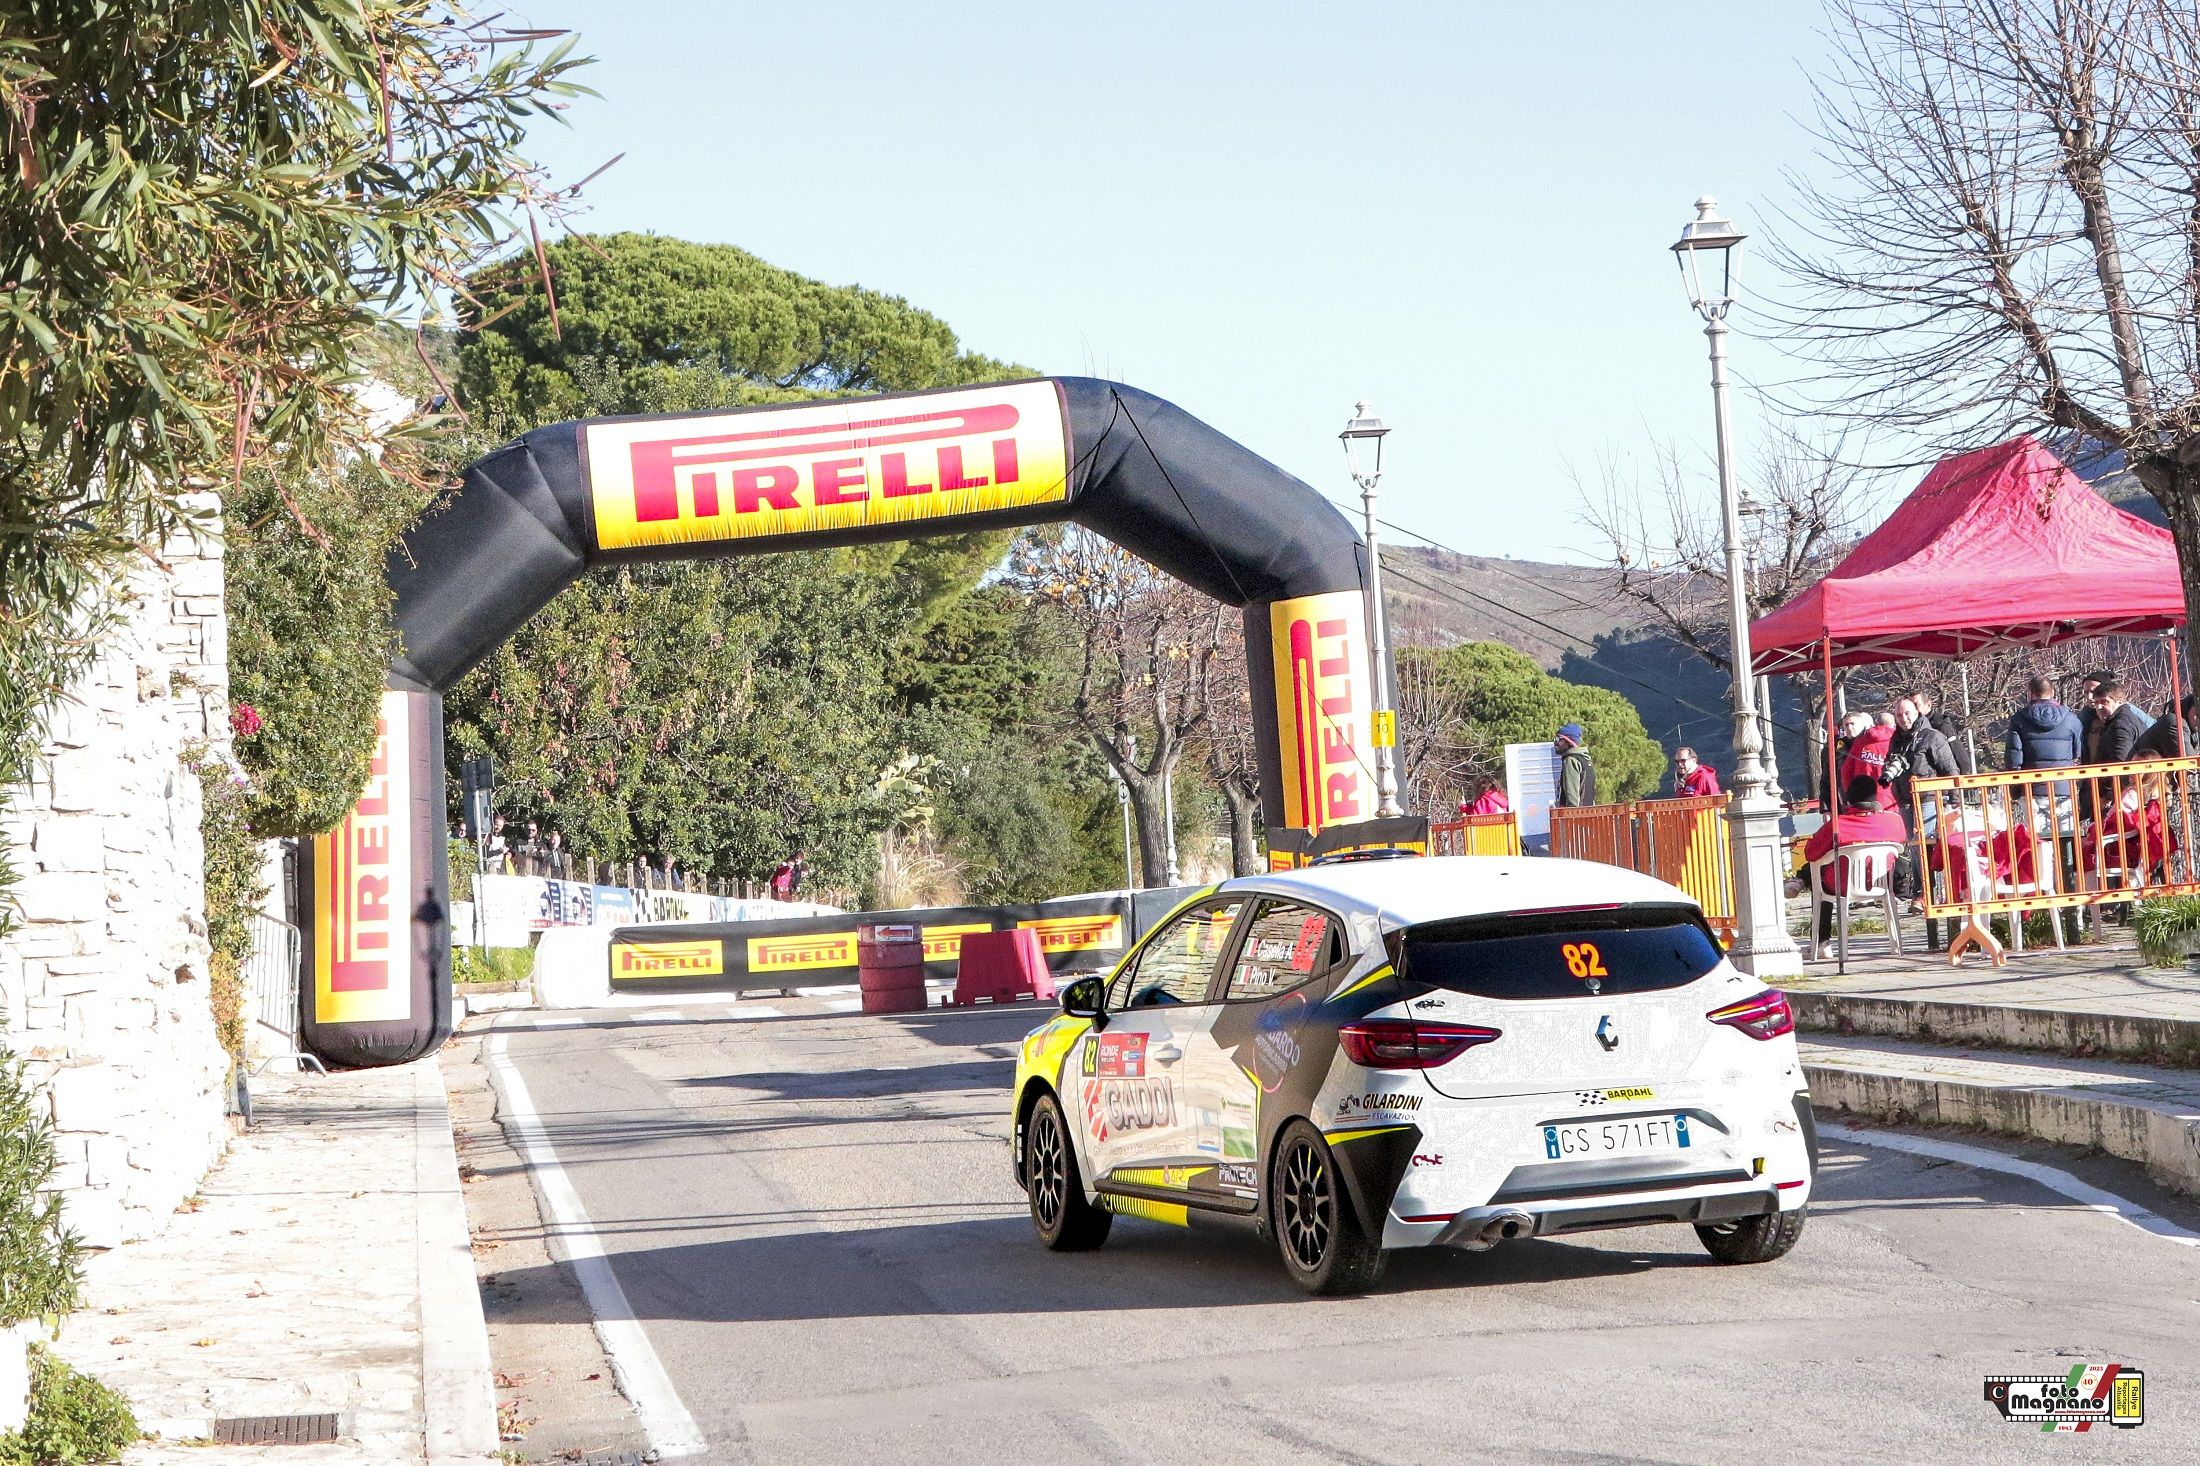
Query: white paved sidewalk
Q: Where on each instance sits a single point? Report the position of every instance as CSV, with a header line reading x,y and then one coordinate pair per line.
x,y
326,1270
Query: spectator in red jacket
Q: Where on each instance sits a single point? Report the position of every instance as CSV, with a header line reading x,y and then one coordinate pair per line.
x,y
1866,755
1489,798
1863,820
1691,778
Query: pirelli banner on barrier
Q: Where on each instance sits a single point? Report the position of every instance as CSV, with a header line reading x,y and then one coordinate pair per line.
x,y
378,958
1077,934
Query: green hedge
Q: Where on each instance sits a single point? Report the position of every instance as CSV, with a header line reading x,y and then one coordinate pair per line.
x,y
74,1418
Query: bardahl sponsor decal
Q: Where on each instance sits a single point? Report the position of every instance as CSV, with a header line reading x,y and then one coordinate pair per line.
x,y
1077,933
668,959
363,879
1319,645
814,949
826,466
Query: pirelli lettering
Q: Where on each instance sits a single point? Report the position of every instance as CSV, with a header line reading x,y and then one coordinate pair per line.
x,y
1320,648
668,959
802,953
1077,933
819,467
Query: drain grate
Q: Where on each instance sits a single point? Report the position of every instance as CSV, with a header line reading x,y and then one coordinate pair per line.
x,y
275,1430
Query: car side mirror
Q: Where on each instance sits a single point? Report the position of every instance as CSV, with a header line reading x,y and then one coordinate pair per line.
x,y
1081,999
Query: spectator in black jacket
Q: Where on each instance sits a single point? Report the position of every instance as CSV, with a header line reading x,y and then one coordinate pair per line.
x,y
1951,728
1919,751
2160,741
2089,721
2119,726
2043,734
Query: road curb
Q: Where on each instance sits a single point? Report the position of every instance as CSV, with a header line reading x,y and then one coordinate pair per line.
x,y
2159,1137
2172,1041
457,1389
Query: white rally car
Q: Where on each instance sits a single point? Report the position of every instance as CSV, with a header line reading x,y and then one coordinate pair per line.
x,y
1420,1052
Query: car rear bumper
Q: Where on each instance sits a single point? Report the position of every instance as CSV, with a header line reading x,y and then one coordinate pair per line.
x,y
1468,1228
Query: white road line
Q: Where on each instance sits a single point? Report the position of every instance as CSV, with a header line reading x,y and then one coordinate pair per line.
x,y
561,1020
640,1373
843,1005
1978,1157
672,1017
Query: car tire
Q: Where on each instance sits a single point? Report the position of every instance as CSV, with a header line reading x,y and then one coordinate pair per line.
x,y
1064,1220
1326,1248
1753,1239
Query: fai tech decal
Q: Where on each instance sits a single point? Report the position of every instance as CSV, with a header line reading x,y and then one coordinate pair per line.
x,y
2091,1394
668,959
362,909
822,949
825,466
1320,650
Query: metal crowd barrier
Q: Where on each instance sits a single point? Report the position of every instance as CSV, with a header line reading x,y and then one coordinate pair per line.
x,y
2017,841
1475,834
1679,841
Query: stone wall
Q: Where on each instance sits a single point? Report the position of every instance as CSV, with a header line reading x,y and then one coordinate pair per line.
x,y
104,982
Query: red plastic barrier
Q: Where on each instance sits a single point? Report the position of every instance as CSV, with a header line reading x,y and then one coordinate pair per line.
x,y
1000,967
890,968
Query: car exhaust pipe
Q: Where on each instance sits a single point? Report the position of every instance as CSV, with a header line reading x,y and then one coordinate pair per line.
x,y
1506,1226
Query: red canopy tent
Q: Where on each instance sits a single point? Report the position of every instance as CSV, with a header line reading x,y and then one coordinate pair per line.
x,y
2002,547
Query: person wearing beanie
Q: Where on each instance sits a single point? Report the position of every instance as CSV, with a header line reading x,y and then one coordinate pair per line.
x,y
1577,772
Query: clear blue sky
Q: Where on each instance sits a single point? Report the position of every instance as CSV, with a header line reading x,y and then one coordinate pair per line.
x,y
1259,211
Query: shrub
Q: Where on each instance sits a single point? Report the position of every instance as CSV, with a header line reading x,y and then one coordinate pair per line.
x,y
73,1418
234,889
2163,926
38,1256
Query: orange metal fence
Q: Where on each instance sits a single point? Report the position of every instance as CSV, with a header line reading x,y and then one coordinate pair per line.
x,y
1681,841
2051,839
1475,834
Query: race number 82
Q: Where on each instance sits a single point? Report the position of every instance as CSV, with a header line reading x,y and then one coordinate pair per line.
x,y
1583,960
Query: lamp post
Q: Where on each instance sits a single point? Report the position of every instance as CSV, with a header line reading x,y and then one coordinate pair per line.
x,y
1363,454
1769,752
1762,946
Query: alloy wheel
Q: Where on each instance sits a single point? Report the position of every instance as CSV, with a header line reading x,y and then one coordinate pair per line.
x,y
1049,1177
1309,1209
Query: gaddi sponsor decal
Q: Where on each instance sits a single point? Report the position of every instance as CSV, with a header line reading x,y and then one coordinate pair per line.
x,y
1137,1104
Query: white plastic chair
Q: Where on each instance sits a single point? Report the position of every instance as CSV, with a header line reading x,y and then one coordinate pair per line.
x,y
1869,881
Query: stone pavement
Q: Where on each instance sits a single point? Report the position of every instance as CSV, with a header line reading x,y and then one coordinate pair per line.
x,y
2109,978
325,1269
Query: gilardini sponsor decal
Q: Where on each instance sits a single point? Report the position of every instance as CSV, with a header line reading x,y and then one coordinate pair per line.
x,y
1320,649
826,466
1077,933
1377,1104
668,959
945,943
815,949
363,878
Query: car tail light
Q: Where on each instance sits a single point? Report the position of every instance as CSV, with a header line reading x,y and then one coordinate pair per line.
x,y
1399,1043
1767,1015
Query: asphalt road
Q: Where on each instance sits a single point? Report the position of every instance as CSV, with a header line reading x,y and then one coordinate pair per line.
x,y
814,1223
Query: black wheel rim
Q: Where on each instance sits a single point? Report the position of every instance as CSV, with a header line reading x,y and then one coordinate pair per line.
x,y
1049,1169
1309,1208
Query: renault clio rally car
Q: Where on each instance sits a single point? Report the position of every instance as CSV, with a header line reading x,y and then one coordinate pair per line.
x,y
1442,1052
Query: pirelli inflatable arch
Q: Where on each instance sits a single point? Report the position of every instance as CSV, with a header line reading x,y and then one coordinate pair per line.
x,y
530,517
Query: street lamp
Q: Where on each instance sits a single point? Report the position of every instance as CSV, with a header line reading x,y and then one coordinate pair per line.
x,y
1769,753
1762,946
1363,456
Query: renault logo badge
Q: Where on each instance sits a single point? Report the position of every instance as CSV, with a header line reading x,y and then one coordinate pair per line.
x,y
1605,1035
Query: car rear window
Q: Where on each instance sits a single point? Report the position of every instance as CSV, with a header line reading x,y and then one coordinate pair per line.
x,y
1561,954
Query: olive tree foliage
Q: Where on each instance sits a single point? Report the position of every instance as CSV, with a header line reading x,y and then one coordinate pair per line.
x,y
2004,235
206,209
